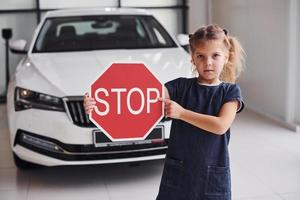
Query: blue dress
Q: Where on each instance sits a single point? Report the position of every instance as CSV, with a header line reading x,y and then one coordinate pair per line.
x,y
197,162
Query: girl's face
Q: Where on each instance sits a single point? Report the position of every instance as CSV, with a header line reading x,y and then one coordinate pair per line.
x,y
209,58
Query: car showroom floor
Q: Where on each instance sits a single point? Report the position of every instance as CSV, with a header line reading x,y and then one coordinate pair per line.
x,y
265,162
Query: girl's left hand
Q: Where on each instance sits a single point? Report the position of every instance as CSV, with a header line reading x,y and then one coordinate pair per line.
x,y
172,109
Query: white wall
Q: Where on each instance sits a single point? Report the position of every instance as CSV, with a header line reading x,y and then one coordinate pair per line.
x,y
297,100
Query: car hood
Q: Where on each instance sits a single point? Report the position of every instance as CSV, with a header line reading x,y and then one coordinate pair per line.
x,y
72,73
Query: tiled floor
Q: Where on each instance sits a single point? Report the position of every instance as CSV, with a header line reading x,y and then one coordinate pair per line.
x,y
265,160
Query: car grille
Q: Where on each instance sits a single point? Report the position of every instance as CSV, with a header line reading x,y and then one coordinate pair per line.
x,y
75,111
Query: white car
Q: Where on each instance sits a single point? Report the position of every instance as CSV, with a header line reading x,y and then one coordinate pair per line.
x,y
68,51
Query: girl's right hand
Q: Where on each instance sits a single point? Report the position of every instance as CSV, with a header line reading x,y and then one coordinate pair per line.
x,y
88,103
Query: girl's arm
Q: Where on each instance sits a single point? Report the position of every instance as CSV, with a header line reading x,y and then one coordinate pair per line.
x,y
215,124
166,92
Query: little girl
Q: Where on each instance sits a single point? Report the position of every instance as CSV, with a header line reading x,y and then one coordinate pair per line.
x,y
203,109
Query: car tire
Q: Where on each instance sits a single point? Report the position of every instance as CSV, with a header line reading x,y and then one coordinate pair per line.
x,y
22,164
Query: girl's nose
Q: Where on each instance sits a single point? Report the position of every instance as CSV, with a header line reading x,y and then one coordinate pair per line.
x,y
208,62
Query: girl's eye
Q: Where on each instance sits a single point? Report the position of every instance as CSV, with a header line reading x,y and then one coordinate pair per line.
x,y
216,55
199,56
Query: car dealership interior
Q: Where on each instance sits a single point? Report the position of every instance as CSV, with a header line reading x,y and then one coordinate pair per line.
x,y
52,52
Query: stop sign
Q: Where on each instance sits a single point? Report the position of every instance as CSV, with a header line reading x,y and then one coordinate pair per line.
x,y
127,107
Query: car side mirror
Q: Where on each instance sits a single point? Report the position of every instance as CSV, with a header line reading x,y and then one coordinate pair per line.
x,y
18,46
183,39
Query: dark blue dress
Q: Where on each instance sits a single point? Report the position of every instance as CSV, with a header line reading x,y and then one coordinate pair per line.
x,y
197,162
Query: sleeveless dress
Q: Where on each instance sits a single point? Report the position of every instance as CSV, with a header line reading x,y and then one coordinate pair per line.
x,y
197,161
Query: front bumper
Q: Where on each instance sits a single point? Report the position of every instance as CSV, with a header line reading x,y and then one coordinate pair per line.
x,y
50,152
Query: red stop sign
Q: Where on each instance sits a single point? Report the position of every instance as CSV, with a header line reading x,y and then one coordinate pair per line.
x,y
126,101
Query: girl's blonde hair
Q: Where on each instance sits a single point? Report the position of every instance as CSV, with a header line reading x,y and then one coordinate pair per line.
x,y
236,54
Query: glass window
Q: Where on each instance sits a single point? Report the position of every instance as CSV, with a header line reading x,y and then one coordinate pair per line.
x,y
171,19
101,32
18,4
59,4
159,36
16,23
152,3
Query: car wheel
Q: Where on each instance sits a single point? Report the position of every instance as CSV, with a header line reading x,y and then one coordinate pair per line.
x,y
22,164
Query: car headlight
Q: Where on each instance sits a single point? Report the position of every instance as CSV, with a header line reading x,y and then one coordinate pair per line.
x,y
26,99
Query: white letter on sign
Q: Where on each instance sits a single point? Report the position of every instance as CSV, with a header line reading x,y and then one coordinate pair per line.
x,y
101,101
135,112
118,91
154,100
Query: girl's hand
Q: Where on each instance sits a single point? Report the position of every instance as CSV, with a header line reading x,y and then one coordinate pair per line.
x,y
172,109
88,103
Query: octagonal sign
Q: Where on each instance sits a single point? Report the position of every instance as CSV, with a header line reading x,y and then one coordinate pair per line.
x,y
127,106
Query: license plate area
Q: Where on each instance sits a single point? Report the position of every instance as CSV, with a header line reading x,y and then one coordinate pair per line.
x,y
101,140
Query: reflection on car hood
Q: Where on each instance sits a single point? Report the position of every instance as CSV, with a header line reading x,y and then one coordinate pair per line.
x,y
72,73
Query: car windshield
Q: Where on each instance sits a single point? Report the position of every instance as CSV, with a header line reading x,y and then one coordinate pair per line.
x,y
101,32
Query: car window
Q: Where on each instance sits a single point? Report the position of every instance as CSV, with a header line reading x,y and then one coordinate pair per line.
x,y
160,39
86,27
101,32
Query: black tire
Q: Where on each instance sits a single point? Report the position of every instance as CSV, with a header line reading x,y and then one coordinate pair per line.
x,y
24,165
